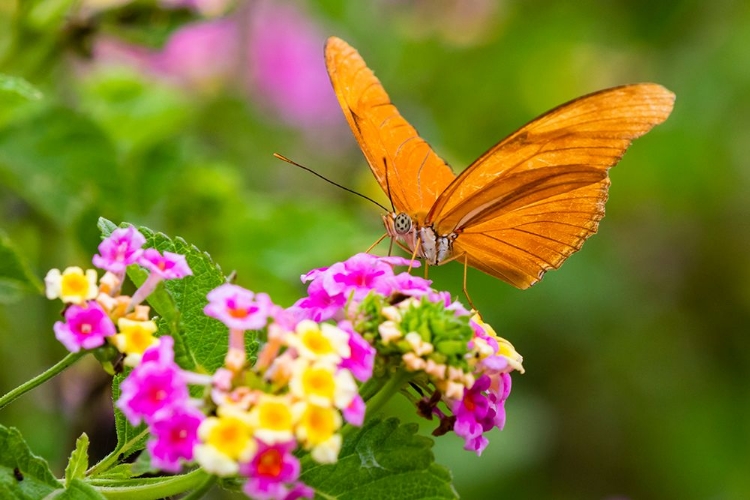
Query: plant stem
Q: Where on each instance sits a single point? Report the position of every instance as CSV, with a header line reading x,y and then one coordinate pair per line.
x,y
198,479
393,386
41,378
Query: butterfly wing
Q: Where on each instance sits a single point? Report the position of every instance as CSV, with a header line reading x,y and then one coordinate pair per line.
x,y
403,163
532,200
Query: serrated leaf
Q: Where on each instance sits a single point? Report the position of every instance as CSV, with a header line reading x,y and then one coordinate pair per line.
x,y
79,460
18,86
23,475
383,460
16,278
60,163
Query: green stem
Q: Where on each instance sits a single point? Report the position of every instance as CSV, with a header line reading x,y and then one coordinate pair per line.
x,y
41,378
394,385
108,461
198,479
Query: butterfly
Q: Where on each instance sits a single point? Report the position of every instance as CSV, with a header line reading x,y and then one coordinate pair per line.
x,y
521,208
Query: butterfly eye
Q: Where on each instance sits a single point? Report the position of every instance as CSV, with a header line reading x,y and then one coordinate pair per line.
x,y
402,223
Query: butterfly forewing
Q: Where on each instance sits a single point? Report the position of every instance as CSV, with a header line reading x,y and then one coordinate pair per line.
x,y
592,132
403,163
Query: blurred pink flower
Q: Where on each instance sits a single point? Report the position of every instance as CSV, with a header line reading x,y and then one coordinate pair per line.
x,y
286,65
200,55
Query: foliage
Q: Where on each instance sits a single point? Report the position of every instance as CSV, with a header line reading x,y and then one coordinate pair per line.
x,y
658,298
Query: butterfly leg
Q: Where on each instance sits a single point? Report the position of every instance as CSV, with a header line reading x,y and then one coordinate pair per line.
x,y
465,289
414,257
378,241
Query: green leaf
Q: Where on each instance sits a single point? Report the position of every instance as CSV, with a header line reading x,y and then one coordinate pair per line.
x,y
19,86
23,475
16,278
60,163
383,460
79,461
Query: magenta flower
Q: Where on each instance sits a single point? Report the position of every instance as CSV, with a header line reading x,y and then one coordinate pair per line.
x,y
85,327
168,266
411,285
355,412
319,305
175,434
331,287
239,308
272,467
300,490
119,250
478,412
162,267
362,358
154,385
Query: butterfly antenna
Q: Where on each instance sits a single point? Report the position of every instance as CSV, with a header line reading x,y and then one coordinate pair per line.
x,y
284,158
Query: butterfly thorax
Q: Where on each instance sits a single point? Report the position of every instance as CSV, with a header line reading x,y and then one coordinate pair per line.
x,y
433,248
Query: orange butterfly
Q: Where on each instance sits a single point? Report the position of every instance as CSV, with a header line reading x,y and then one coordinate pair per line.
x,y
523,206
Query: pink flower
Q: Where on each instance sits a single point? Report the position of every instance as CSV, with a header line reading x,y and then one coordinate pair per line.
x,y
85,327
119,250
168,266
300,490
362,357
481,409
239,308
411,285
201,55
286,65
331,287
355,412
270,469
162,267
319,305
154,385
175,434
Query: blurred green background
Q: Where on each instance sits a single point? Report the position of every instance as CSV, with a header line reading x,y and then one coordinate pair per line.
x,y
166,114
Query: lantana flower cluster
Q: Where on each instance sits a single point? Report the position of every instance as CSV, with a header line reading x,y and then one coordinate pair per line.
x,y
360,327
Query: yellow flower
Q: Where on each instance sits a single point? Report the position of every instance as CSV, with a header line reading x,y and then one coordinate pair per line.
x,y
324,342
226,440
134,338
322,384
73,286
272,419
316,424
